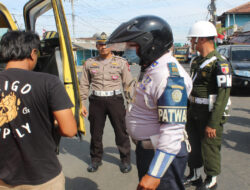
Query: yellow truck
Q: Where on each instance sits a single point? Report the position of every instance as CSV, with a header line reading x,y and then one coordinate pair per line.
x,y
182,54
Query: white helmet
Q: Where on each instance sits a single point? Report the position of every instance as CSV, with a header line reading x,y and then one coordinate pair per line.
x,y
202,29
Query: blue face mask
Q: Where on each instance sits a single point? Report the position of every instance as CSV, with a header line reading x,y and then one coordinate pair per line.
x,y
131,56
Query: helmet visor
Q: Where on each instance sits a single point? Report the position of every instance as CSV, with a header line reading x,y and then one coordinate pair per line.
x,y
123,46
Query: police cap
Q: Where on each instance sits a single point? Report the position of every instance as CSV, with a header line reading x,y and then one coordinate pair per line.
x,y
102,39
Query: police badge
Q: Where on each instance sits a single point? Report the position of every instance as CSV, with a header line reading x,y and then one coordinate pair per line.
x,y
176,95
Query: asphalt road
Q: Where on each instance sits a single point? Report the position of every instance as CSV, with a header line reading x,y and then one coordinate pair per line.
x,y
74,155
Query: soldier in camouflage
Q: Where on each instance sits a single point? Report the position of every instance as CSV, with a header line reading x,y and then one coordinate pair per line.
x,y
211,75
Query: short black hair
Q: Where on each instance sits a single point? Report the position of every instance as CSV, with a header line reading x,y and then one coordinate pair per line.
x,y
18,45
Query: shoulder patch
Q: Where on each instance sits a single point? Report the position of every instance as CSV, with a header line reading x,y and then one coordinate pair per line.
x,y
173,70
154,64
145,82
224,77
223,68
119,57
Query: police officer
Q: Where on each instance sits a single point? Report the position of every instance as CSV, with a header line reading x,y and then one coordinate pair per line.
x,y
156,115
211,76
105,73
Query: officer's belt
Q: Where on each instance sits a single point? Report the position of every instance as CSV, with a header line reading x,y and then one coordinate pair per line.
x,y
106,93
198,100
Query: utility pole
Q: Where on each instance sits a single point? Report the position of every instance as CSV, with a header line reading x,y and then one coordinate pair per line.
x,y
72,16
212,11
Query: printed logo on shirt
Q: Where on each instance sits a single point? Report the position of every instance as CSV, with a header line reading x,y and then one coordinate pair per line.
x,y
114,63
147,79
94,64
10,107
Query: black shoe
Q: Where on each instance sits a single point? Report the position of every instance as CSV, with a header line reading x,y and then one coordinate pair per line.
x,y
125,167
189,180
207,184
93,166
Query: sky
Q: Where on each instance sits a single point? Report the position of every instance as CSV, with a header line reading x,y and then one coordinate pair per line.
x,y
96,16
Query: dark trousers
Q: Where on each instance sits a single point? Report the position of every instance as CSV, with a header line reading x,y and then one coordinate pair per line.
x,y
113,107
173,177
205,151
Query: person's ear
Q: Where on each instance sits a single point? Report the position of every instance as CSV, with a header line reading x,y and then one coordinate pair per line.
x,y
33,58
33,54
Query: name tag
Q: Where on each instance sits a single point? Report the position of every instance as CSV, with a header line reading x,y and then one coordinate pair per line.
x,y
172,114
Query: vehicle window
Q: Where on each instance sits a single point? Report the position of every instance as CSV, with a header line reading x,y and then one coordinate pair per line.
x,y
222,51
241,53
50,57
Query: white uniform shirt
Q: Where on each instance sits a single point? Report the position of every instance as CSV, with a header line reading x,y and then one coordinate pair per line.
x,y
142,120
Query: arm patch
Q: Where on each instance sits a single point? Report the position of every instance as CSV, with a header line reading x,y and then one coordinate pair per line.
x,y
224,76
160,163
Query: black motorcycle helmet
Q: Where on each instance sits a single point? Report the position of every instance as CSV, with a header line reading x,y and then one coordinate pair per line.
x,y
152,34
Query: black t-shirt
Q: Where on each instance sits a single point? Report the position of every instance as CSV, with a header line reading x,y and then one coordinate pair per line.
x,y
27,147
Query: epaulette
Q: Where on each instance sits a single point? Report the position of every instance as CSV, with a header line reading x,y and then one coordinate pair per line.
x,y
92,59
119,57
222,58
173,70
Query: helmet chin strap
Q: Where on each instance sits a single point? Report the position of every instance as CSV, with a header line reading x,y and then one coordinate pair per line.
x,y
195,43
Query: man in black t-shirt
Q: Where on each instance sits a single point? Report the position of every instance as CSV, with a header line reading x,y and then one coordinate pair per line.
x,y
29,103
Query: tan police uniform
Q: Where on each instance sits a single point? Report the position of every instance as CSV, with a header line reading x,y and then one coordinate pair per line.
x,y
106,77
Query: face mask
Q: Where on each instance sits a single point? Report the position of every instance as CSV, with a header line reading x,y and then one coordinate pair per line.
x,y
131,56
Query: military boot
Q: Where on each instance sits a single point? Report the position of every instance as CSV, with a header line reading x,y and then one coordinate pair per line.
x,y
210,183
194,178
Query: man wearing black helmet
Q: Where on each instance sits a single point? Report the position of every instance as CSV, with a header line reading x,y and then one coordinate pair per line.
x,y
156,114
